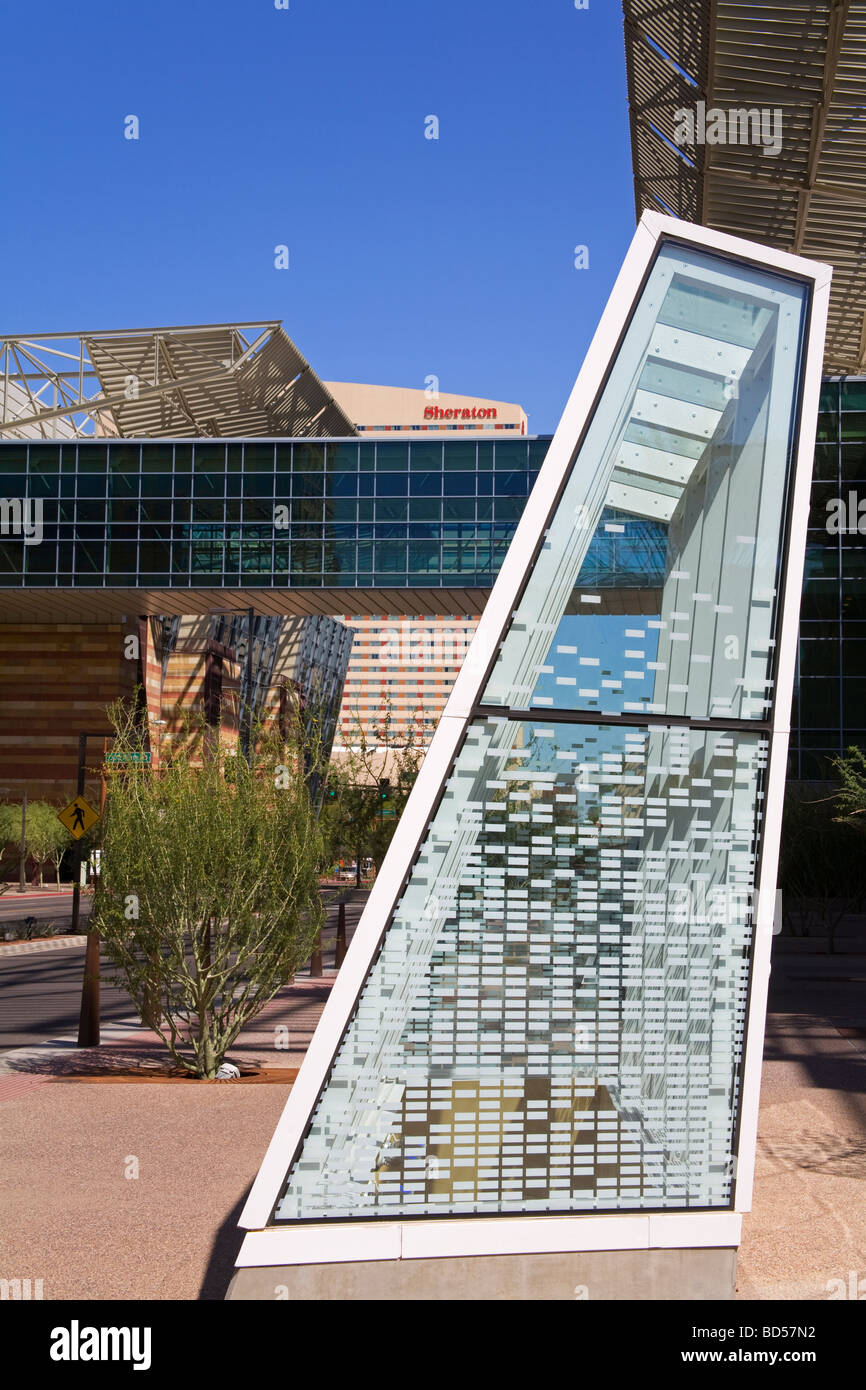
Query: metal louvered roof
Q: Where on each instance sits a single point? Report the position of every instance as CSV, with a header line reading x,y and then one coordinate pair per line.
x,y
806,61
211,380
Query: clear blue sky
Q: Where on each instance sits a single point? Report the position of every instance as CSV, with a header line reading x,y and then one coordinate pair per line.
x,y
305,127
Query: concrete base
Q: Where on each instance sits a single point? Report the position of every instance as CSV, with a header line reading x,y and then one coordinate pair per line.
x,y
670,1275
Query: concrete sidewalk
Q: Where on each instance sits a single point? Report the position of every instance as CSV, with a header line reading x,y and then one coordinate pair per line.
x,y
808,1224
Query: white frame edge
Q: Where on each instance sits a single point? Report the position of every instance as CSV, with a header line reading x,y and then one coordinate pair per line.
x,y
288,1135
342,1242
787,636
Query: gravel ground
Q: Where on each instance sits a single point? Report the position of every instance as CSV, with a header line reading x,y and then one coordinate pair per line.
x,y
70,1215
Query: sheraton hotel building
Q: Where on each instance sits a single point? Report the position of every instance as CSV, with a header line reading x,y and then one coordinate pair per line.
x,y
189,486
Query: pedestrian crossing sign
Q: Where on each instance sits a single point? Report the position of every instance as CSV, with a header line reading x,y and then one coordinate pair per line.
x,y
78,817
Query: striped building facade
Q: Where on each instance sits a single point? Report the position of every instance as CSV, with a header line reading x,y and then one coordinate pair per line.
x,y
407,665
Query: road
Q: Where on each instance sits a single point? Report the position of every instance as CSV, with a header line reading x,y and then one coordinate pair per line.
x,y
51,907
40,996
40,991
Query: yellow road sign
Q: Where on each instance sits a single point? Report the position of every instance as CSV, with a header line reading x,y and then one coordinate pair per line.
x,y
78,817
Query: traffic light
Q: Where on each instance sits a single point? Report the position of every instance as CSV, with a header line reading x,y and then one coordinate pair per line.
x,y
384,788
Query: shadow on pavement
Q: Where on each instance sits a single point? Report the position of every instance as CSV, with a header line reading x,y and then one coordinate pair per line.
x,y
224,1252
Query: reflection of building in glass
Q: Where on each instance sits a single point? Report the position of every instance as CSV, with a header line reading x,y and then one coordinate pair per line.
x,y
296,662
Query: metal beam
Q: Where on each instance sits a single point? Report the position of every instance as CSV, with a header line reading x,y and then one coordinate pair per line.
x,y
835,34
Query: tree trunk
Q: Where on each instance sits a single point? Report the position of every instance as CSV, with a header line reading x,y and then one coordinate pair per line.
x,y
207,1056
206,1053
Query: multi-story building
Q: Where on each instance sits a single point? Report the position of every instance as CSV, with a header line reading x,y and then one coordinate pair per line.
x,y
401,673
395,535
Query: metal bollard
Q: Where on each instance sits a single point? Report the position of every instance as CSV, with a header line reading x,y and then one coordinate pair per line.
x,y
316,968
340,952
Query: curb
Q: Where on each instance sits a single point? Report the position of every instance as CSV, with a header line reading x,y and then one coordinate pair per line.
x,y
41,943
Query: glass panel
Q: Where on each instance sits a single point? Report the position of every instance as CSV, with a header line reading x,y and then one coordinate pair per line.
x,y
42,458
92,486
425,484
259,458
690,443
342,458
459,484
853,395
92,458
853,463
392,458
426,456
425,510
210,458
827,431
829,398
459,455
261,485
827,462
556,1016
342,485
13,461
821,658
392,484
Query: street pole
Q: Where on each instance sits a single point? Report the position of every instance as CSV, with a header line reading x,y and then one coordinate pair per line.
x,y
22,865
316,964
340,951
247,710
88,1021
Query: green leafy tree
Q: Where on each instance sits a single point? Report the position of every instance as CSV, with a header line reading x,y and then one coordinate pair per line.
x,y
208,900
46,838
850,799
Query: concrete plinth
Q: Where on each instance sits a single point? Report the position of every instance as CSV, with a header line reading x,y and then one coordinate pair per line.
x,y
669,1275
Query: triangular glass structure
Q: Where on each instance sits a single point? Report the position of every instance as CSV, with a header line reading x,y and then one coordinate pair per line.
x,y
544,1010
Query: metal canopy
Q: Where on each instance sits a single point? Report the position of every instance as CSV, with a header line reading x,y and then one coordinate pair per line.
x,y
808,62
207,380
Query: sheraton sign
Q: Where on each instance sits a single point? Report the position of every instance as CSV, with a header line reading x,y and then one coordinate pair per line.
x,y
435,412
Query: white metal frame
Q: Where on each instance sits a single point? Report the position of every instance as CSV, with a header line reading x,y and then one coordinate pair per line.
x,y
440,1236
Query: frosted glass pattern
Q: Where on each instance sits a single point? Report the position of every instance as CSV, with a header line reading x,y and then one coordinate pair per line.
x,y
556,1017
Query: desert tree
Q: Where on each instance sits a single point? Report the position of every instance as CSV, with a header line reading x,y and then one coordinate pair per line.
x,y
46,838
208,900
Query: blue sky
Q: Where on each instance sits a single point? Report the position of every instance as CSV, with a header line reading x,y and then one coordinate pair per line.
x,y
305,127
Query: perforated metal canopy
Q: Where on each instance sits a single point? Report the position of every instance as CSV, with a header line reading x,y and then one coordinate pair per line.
x,y
207,380
806,61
